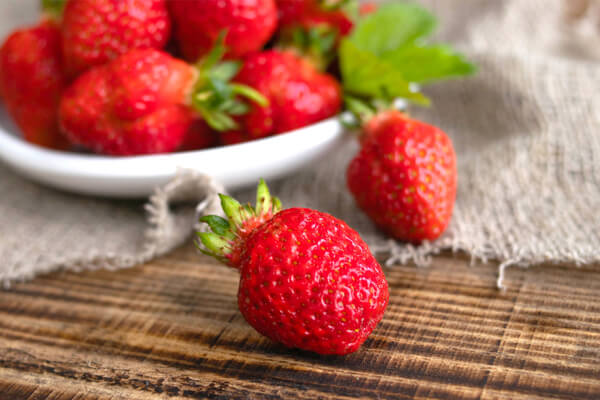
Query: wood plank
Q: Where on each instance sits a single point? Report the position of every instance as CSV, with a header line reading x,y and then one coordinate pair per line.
x,y
171,328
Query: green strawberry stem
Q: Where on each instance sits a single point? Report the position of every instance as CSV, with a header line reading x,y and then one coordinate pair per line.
x,y
227,235
316,44
215,97
332,5
53,8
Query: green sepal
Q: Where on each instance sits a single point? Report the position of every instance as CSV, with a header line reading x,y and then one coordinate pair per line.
x,y
218,225
233,209
214,245
54,8
215,97
276,205
228,235
316,43
361,109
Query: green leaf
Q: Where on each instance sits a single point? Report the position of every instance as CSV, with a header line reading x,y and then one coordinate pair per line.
x,y
225,70
392,26
218,225
423,64
53,7
215,244
366,75
216,53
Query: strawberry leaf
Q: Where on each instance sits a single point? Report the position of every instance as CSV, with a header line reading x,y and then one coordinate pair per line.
x,y
391,27
423,64
366,75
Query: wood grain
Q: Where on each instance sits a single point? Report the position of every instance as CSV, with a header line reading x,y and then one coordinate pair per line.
x,y
171,329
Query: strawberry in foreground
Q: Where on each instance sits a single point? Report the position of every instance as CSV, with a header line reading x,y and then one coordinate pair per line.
x,y
404,176
298,95
97,31
307,279
197,24
145,102
32,80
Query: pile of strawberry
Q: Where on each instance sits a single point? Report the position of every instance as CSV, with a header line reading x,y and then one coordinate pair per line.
x,y
130,77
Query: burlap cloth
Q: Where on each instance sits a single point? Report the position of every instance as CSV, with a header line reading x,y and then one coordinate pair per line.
x,y
527,135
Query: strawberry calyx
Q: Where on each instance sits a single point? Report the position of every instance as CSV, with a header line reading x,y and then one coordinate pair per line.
x,y
316,43
53,9
227,238
214,96
366,114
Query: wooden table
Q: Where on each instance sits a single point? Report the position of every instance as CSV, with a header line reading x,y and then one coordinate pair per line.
x,y
171,328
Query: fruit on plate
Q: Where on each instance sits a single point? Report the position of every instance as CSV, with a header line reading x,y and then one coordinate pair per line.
x,y
199,136
32,80
307,280
198,23
145,101
404,176
314,27
310,13
97,31
298,95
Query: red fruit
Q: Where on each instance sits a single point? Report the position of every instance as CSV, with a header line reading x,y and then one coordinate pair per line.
x,y
298,95
249,25
31,82
307,279
313,28
367,8
199,136
133,105
146,101
404,177
310,13
97,31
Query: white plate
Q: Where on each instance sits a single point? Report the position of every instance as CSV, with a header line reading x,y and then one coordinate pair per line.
x,y
234,166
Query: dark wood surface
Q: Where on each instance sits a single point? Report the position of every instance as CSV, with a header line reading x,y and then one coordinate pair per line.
x,y
171,329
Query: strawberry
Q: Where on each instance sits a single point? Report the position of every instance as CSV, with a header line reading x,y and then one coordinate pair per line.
x,y
298,95
367,8
313,28
199,136
309,13
32,80
307,280
97,31
404,177
249,23
145,102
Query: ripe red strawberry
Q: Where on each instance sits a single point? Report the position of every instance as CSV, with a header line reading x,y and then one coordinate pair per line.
x,y
367,8
298,95
307,279
312,13
199,136
145,101
249,25
404,177
313,28
97,31
31,82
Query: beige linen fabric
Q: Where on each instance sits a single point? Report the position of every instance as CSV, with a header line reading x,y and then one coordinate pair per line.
x,y
526,129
